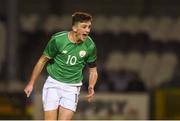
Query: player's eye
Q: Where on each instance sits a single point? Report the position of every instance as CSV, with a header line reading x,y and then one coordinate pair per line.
x,y
84,26
89,27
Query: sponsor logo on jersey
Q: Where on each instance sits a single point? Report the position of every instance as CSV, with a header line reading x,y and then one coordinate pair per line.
x,y
64,51
82,53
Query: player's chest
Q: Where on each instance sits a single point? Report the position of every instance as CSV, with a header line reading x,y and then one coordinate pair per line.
x,y
78,52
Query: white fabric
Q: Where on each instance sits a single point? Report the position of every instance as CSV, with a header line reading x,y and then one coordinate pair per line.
x,y
57,94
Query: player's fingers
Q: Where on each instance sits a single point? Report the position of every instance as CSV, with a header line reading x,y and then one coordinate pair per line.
x,y
90,99
91,92
27,92
90,95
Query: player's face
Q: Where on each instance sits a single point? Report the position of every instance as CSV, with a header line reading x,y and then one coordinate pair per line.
x,y
82,30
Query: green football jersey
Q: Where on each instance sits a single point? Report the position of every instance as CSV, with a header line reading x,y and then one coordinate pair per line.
x,y
67,58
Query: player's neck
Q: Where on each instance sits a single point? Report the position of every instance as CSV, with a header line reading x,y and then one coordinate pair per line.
x,y
73,37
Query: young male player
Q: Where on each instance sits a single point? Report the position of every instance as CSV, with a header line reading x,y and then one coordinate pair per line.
x,y
67,53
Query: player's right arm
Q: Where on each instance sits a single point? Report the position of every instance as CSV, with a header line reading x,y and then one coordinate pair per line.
x,y
35,74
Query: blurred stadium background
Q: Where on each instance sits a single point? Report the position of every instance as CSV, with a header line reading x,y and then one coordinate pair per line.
x,y
138,45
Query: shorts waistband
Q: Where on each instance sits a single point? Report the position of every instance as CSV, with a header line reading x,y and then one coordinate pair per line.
x,y
50,79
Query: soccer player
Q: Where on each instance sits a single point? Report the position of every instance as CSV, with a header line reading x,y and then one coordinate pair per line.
x,y
67,53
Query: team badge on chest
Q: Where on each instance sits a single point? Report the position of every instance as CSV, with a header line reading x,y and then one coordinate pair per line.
x,y
82,53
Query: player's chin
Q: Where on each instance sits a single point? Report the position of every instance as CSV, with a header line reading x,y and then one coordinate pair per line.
x,y
83,38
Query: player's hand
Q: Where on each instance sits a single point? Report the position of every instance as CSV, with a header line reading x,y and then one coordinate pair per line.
x,y
90,94
28,89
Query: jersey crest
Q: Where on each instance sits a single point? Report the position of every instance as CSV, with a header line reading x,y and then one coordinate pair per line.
x,y
82,53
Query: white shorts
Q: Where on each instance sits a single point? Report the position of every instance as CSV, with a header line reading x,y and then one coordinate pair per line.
x,y
57,94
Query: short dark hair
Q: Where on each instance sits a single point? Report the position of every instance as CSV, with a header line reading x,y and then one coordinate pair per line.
x,y
81,17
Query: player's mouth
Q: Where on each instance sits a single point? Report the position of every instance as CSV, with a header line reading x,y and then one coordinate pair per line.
x,y
84,35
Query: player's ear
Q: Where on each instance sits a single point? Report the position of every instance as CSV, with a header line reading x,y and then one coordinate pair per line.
x,y
74,28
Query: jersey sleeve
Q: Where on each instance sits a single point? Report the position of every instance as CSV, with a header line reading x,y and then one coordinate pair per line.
x,y
92,54
51,48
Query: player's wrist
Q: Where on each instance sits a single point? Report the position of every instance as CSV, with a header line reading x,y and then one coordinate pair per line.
x,y
31,83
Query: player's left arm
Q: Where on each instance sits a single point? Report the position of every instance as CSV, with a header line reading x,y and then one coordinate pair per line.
x,y
93,75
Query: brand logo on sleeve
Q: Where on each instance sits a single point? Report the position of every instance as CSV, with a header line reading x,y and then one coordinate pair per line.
x,y
82,53
64,51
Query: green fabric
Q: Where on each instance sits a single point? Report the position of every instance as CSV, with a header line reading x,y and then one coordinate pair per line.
x,y
68,59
